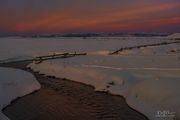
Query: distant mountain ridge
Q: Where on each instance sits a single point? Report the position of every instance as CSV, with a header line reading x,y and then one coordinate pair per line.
x,y
49,35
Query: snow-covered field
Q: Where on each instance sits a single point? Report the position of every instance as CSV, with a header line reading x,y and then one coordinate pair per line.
x,y
22,48
149,78
15,83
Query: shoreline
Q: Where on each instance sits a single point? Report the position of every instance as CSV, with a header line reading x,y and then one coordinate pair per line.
x,y
74,101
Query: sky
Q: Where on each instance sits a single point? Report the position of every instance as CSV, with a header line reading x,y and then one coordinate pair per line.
x,y
62,16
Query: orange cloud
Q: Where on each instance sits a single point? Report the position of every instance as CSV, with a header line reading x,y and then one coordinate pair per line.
x,y
114,19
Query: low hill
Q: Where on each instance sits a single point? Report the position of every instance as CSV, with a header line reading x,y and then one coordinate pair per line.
x,y
174,36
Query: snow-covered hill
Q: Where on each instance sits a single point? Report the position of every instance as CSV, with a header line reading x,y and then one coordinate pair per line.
x,y
174,36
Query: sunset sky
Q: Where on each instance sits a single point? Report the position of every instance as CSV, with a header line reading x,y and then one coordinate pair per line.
x,y
89,16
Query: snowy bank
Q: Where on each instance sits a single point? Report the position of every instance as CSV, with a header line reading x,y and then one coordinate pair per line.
x,y
149,83
15,83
